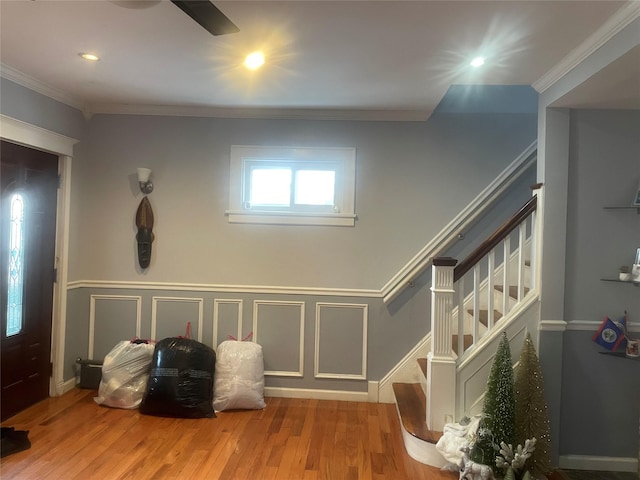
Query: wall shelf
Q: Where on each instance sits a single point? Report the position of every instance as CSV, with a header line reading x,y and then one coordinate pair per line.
x,y
626,207
619,355
632,282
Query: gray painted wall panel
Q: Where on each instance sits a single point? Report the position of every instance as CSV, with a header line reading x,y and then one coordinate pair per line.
x,y
341,330
115,320
279,328
229,321
173,315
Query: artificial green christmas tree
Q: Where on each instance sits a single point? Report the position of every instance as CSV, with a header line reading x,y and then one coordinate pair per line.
x,y
510,475
498,413
532,417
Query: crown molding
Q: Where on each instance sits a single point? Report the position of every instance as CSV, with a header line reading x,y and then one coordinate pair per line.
x,y
88,110
618,21
264,113
36,85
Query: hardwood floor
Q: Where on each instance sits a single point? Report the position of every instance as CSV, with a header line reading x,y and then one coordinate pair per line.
x,y
298,439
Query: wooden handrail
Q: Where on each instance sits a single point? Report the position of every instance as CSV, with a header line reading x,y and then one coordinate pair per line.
x,y
490,243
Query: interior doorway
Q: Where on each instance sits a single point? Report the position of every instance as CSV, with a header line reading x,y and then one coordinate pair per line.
x,y
28,199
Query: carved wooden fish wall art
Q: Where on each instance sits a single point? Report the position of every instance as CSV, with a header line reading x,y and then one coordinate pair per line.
x,y
144,237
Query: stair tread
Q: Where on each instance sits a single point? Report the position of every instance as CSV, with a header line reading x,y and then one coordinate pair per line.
x,y
467,342
484,316
513,290
412,406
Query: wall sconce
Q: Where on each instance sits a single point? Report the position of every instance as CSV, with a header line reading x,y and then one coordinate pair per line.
x,y
146,186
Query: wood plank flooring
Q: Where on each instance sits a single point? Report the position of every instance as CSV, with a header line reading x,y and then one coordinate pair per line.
x,y
291,439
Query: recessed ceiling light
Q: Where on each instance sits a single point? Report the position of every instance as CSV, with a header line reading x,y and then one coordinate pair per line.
x,y
89,56
477,62
254,60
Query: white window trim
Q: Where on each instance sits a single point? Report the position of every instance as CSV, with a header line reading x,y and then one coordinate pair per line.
x,y
345,187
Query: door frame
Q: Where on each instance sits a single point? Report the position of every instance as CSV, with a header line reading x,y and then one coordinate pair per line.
x,y
29,135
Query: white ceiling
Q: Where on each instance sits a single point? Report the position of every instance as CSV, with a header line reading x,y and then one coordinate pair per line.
x,y
325,59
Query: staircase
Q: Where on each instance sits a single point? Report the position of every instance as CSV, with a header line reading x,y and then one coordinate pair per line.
x,y
464,334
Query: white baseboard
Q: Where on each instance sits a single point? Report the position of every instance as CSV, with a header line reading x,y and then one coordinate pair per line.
x,y
604,464
316,394
67,386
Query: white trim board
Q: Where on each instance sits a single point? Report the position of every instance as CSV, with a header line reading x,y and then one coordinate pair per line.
x,y
349,396
17,131
592,326
218,288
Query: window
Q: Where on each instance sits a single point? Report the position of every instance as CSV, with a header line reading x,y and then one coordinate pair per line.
x,y
292,186
15,280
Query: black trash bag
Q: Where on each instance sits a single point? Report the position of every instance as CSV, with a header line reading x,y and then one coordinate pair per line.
x,y
181,380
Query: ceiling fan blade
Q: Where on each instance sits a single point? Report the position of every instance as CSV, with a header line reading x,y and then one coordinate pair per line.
x,y
207,14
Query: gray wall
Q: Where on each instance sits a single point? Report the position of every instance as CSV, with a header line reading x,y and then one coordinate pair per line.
x,y
569,360
24,104
600,394
412,178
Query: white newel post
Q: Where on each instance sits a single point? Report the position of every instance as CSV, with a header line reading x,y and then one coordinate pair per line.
x,y
441,365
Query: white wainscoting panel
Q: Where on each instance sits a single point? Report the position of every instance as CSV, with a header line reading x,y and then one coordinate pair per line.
x,y
341,341
219,303
111,298
276,324
156,303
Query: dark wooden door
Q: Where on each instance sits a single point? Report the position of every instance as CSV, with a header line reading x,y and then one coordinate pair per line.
x,y
29,181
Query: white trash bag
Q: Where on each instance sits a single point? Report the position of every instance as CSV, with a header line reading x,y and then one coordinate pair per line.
x,y
239,376
125,372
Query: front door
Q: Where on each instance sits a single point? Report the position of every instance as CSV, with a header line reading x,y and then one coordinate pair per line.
x,y
28,198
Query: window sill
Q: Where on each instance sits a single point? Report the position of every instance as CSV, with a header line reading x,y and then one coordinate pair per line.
x,y
287,218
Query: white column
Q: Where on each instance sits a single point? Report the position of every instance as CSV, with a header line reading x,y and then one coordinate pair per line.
x,y
441,366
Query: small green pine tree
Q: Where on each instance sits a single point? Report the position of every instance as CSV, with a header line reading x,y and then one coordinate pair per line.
x,y
498,413
532,417
509,475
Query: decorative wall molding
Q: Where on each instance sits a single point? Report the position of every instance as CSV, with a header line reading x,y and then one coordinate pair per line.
x,y
553,325
218,288
593,325
618,21
116,298
256,334
216,314
363,366
155,301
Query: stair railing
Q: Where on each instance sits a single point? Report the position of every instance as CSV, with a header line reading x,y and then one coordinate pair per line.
x,y
486,286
